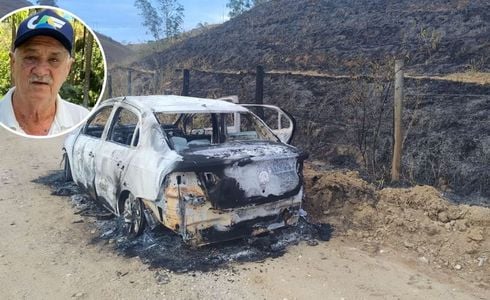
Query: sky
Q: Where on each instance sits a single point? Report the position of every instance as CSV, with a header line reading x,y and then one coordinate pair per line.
x,y
120,19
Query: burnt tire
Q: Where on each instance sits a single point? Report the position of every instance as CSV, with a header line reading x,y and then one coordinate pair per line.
x,y
67,169
133,217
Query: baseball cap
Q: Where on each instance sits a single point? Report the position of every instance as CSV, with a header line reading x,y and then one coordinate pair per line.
x,y
46,22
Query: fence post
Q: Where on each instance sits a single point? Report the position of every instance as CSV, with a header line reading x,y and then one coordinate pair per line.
x,y
109,85
259,90
186,82
129,82
397,122
155,82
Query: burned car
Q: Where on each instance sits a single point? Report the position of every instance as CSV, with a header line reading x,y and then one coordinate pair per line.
x,y
210,170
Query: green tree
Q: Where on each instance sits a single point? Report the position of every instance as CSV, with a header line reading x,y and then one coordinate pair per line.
x,y
150,17
174,17
162,18
89,44
237,7
4,66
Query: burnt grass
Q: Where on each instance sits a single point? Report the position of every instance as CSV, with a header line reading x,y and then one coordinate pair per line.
x,y
446,125
162,248
347,121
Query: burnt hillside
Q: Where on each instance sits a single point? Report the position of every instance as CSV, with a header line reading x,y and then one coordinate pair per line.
x,y
437,37
347,122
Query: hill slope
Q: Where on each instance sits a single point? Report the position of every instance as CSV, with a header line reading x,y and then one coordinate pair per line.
x,y
347,121
437,37
114,51
7,6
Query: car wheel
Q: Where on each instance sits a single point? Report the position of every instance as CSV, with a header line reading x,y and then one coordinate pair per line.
x,y
134,221
67,169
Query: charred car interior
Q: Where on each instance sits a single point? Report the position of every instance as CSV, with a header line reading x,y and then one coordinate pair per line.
x,y
210,170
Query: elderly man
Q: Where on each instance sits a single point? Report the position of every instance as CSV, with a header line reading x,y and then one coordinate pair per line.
x,y
40,62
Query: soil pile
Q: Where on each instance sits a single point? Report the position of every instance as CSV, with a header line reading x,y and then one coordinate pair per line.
x,y
417,220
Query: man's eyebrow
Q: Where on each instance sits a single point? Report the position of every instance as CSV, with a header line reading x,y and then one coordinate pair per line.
x,y
29,50
57,53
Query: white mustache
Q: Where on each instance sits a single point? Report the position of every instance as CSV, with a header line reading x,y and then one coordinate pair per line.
x,y
41,79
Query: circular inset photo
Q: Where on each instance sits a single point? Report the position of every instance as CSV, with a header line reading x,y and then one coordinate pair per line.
x,y
52,71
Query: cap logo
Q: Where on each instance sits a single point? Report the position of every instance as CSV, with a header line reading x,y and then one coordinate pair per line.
x,y
46,21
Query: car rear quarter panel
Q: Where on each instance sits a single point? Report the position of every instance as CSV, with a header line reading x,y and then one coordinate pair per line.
x,y
146,172
151,161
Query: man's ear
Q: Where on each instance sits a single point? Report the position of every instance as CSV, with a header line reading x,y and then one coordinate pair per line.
x,y
12,59
69,64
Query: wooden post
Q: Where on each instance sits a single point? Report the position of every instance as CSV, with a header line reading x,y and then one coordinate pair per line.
x,y
186,82
259,90
129,82
155,82
397,122
109,85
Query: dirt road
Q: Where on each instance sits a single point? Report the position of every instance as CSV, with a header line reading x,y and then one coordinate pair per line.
x,y
46,253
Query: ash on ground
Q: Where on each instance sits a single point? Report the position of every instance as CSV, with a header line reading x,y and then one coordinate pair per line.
x,y
162,247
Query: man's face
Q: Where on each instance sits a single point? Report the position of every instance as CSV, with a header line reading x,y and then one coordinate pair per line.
x,y
39,67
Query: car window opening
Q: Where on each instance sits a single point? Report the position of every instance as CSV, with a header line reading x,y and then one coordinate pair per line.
x,y
95,125
124,127
210,129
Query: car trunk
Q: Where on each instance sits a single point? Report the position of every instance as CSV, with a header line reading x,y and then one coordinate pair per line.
x,y
242,173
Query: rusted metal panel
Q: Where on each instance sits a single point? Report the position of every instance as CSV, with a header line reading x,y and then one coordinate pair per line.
x,y
189,212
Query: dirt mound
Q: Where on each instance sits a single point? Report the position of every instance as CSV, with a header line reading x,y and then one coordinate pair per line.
x,y
338,196
417,220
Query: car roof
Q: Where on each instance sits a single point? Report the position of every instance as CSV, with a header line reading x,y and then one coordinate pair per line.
x,y
182,104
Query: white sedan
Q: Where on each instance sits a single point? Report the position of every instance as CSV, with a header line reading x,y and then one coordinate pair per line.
x,y
210,170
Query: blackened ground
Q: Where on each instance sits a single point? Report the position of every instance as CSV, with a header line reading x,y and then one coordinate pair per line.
x,y
162,248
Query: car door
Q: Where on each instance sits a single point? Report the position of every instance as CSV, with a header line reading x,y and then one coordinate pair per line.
x,y
86,147
115,154
279,121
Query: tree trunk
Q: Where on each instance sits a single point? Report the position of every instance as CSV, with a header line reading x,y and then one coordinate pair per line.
x,y
14,34
88,66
